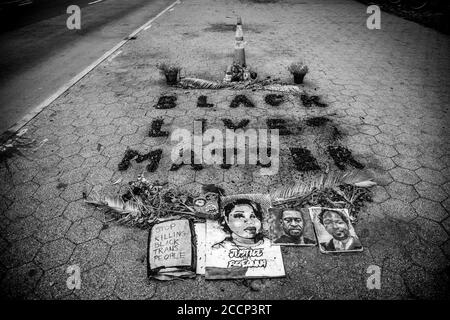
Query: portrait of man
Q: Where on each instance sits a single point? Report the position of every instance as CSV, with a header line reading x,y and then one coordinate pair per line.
x,y
335,232
293,225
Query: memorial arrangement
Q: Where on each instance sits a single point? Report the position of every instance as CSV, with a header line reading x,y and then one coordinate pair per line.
x,y
239,236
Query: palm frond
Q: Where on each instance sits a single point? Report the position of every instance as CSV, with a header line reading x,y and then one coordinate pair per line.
x,y
332,180
264,84
195,83
115,204
284,88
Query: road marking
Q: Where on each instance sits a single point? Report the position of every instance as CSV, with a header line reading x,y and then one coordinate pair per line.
x,y
114,55
148,27
37,109
94,2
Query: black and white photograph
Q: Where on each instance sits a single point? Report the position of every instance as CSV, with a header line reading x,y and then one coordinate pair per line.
x,y
266,151
334,230
291,226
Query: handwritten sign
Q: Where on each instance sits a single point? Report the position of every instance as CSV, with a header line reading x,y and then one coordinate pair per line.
x,y
225,259
246,258
170,244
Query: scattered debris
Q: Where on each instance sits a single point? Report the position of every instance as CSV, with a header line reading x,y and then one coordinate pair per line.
x,y
61,185
241,99
155,129
202,102
335,189
207,205
117,181
144,203
12,144
280,124
304,160
230,125
166,102
238,73
342,156
317,121
212,188
311,101
274,99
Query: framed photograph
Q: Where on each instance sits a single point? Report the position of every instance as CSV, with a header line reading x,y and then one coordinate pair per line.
x,y
237,245
291,226
334,230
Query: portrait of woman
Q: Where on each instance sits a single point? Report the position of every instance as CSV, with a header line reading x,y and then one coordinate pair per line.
x,y
242,220
236,244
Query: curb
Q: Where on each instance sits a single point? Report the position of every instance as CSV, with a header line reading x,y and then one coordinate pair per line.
x,y
38,109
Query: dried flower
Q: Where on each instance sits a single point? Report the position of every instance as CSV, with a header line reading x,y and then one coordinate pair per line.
x,y
166,67
298,68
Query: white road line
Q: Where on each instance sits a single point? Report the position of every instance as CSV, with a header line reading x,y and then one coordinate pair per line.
x,y
37,109
115,54
148,27
93,2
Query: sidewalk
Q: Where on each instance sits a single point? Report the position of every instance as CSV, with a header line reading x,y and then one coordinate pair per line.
x,y
387,89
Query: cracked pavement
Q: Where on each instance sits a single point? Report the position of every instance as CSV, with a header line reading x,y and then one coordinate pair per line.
x,y
387,91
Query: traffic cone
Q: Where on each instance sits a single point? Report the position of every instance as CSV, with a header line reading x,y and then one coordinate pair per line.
x,y
239,52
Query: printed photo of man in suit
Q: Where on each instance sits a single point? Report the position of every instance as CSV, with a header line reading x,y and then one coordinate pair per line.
x,y
338,226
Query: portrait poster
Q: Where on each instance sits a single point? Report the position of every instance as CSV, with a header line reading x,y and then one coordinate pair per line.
x,y
334,230
291,225
237,245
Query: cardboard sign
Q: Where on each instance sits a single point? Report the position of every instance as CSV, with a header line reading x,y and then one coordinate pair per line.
x,y
236,244
171,252
200,234
226,259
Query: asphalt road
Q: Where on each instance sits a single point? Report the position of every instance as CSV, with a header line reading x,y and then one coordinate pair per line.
x,y
39,54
